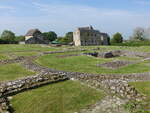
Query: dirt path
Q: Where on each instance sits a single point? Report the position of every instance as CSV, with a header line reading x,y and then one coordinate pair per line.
x,y
108,105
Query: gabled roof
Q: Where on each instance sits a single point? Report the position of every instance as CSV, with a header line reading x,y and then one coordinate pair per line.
x,y
88,29
31,32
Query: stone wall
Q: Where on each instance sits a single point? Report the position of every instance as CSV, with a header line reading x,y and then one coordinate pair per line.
x,y
4,105
116,64
114,86
89,36
11,87
16,86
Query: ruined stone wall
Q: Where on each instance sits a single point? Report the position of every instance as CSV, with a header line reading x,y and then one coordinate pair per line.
x,y
16,86
114,86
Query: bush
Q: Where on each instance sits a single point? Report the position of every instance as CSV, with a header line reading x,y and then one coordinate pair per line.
x,y
117,38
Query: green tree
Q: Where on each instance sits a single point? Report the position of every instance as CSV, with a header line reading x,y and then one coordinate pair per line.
x,y
20,38
66,39
117,38
62,40
69,37
138,34
51,36
8,35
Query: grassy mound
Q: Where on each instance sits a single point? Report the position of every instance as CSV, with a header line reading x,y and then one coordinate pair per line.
x,y
64,97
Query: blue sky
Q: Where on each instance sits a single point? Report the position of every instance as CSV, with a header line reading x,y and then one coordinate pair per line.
x,y
62,16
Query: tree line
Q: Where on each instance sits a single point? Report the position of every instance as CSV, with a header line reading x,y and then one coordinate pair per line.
x,y
9,37
140,36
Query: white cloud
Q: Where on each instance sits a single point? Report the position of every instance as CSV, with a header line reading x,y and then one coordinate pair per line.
x,y
63,18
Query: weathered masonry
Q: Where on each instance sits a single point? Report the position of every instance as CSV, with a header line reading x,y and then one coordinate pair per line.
x,y
86,36
34,36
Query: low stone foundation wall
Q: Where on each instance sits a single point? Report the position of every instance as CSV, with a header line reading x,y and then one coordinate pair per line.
x,y
116,64
63,51
16,86
114,86
17,60
30,82
69,55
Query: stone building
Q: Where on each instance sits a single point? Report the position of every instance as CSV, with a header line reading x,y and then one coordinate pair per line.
x,y
86,36
34,36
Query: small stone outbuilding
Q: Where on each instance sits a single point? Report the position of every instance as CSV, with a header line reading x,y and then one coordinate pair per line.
x,y
34,36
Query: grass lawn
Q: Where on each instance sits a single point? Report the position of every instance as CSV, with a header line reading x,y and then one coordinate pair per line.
x,y
26,53
36,47
28,47
13,71
129,58
89,64
111,48
63,97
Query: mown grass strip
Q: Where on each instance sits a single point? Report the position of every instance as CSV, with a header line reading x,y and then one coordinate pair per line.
x,y
63,97
13,71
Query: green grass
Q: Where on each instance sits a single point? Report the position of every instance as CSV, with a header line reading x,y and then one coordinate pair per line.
x,y
3,57
33,47
36,47
63,97
143,88
89,64
13,71
26,53
111,48
129,58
